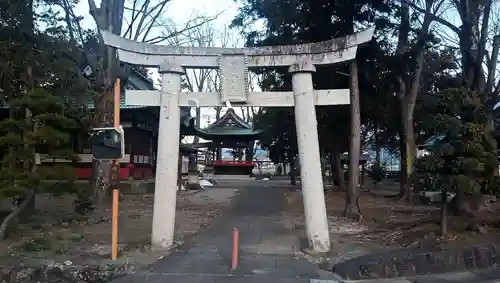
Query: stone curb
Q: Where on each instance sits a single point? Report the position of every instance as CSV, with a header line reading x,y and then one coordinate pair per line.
x,y
486,275
362,281
414,262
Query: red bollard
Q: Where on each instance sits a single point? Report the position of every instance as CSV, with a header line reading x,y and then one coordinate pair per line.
x,y
236,240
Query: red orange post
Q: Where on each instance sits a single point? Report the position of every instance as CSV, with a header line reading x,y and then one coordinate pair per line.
x,y
114,224
236,240
116,192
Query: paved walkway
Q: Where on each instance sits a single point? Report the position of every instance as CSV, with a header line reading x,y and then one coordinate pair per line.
x,y
268,245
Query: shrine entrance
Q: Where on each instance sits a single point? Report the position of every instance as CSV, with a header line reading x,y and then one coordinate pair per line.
x,y
233,66
233,133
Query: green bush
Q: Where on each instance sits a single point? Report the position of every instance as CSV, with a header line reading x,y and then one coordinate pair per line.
x,y
462,159
492,186
378,172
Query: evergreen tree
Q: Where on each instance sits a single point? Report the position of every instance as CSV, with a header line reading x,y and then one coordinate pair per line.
x,y
37,80
461,160
36,127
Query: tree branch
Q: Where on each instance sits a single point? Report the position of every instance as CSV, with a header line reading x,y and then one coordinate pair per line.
x,y
97,14
433,17
187,27
129,32
142,19
484,32
492,66
154,18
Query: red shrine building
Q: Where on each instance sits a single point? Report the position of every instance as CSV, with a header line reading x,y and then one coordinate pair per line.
x,y
140,125
232,132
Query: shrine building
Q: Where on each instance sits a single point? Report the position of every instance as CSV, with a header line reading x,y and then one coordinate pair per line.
x,y
232,132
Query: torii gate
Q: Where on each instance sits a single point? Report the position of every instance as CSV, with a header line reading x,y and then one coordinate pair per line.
x,y
233,64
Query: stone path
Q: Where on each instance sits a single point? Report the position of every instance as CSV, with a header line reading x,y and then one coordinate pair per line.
x,y
268,245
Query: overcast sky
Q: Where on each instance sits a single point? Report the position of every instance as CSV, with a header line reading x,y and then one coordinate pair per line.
x,y
179,10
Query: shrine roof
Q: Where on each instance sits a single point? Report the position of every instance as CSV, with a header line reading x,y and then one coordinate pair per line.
x,y
136,81
228,132
230,119
228,126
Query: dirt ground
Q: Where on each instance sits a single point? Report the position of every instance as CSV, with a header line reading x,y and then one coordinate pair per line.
x,y
55,234
392,223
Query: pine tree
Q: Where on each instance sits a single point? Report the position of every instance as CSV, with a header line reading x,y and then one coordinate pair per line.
x,y
462,158
37,126
38,75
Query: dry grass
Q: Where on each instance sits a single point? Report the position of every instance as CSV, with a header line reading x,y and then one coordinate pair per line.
x,y
392,223
55,233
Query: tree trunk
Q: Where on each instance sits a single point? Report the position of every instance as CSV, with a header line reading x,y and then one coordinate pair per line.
x,y
101,168
29,164
109,17
6,223
351,206
331,162
410,149
377,152
402,162
293,173
377,147
459,206
323,167
408,93
218,109
339,171
100,180
444,218
180,183
404,32
333,177
492,143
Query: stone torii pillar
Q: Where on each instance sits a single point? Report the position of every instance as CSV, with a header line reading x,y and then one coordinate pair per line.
x,y
233,64
167,167
310,168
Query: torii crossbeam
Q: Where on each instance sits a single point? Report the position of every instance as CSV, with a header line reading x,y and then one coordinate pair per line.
x,y
233,65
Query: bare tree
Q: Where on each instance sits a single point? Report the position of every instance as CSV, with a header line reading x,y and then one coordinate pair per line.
x,y
351,205
478,42
145,22
202,80
409,78
196,80
249,113
144,17
254,81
